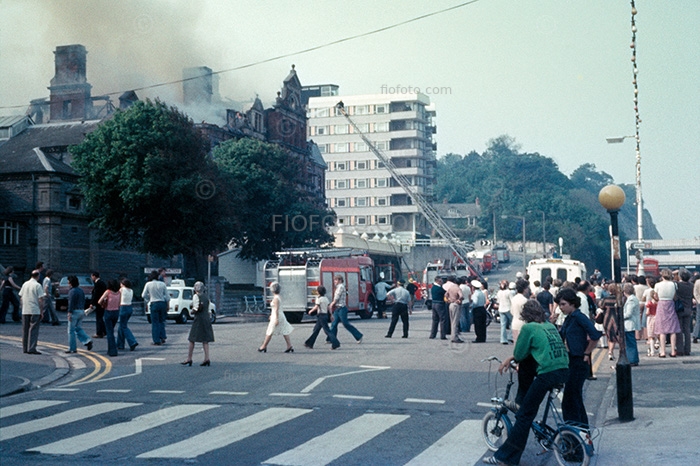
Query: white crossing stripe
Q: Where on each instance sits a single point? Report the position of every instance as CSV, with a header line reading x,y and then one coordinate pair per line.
x,y
28,406
114,390
462,445
424,400
72,415
95,438
167,392
229,393
226,434
326,448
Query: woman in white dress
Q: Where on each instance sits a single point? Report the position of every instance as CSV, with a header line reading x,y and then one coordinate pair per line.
x,y
278,322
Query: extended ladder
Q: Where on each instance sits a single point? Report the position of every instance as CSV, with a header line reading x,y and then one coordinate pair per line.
x,y
460,248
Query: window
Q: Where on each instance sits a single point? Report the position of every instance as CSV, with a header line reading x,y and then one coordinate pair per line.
x,y
323,148
10,233
74,203
341,184
320,130
380,183
381,127
361,165
340,166
381,145
342,129
321,112
363,127
381,201
382,220
341,147
360,202
361,147
361,109
341,220
381,108
341,202
360,220
361,183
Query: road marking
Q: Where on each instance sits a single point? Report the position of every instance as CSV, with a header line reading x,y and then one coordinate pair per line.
x,y
28,406
289,394
320,380
354,397
95,438
461,445
115,390
424,400
62,389
229,393
226,434
138,368
167,392
330,446
66,417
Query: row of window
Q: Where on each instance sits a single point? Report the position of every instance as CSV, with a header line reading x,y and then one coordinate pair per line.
x,y
359,201
357,183
379,127
374,164
394,144
363,220
377,109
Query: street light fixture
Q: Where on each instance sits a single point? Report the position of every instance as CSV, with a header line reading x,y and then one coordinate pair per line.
x,y
612,197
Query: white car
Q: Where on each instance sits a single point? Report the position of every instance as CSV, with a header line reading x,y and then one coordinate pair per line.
x,y
181,303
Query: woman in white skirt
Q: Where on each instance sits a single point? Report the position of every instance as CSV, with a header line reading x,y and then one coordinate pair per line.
x,y
278,322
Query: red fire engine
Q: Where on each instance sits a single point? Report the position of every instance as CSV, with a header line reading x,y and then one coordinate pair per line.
x,y
299,272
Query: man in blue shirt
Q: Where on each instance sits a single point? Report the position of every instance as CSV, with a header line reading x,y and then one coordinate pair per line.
x,y
581,337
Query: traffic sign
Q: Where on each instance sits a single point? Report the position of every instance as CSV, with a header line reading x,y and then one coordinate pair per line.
x,y
640,245
486,242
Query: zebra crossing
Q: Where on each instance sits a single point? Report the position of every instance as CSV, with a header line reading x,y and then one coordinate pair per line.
x,y
212,433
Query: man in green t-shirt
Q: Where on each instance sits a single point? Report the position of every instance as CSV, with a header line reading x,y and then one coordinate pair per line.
x,y
541,340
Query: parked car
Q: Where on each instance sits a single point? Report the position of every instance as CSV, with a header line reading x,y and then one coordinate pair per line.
x,y
63,288
181,303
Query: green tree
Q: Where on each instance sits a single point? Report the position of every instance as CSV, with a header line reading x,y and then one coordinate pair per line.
x,y
272,210
149,183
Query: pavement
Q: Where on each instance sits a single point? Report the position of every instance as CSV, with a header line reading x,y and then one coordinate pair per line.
x,y
666,401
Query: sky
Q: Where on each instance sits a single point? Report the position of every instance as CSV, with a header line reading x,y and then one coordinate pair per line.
x,y
555,75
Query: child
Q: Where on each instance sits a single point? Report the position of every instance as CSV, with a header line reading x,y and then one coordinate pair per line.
x,y
322,318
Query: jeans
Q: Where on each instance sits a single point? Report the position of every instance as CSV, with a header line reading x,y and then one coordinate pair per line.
x,y
159,310
124,333
111,319
479,314
9,297
341,315
465,318
506,322
399,310
50,315
572,407
75,330
696,331
322,323
439,317
631,347
511,451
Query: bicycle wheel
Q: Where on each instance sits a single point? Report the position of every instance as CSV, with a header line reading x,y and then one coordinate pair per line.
x,y
570,449
495,429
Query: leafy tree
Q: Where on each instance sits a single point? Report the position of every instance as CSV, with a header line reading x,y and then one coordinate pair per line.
x,y
272,211
149,184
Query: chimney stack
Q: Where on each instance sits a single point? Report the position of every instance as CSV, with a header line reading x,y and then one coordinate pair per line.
x,y
70,92
200,85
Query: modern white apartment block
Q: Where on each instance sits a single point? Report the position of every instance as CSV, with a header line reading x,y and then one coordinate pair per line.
x,y
359,188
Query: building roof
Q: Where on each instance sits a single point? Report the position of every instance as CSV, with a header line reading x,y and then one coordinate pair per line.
x,y
457,210
316,156
7,121
27,152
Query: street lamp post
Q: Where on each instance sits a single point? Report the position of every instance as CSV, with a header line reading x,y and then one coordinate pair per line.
x,y
523,219
612,197
544,237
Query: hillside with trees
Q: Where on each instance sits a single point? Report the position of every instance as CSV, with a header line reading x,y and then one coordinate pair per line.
x,y
510,185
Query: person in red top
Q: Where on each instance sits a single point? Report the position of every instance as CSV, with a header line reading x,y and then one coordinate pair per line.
x,y
111,300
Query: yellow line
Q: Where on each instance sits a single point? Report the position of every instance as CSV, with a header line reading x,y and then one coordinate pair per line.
x,y
96,359
598,358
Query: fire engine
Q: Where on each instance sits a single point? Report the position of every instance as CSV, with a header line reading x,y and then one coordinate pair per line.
x,y
299,272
